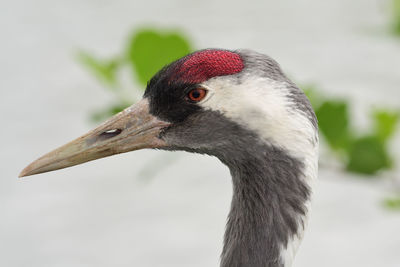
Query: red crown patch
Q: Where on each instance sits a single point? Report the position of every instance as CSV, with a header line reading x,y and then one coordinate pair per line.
x,y
203,65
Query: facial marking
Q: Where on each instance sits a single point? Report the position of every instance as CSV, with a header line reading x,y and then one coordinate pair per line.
x,y
203,65
263,107
168,90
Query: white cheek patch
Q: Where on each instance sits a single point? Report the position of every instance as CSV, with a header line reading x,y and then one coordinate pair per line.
x,y
262,105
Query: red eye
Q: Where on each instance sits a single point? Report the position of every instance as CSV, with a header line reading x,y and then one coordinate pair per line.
x,y
197,94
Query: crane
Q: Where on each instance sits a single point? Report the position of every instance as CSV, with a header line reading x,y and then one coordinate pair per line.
x,y
240,107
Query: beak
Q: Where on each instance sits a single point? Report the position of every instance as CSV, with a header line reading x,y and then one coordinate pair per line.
x,y
132,129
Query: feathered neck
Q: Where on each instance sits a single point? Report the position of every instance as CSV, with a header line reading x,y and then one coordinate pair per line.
x,y
268,210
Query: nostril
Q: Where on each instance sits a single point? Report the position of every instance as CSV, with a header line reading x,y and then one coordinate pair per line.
x,y
109,133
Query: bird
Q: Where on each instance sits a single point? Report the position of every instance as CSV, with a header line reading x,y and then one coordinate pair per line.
x,y
240,107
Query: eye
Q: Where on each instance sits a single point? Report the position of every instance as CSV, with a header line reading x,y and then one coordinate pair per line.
x,y
197,94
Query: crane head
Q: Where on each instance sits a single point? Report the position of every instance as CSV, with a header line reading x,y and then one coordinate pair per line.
x,y
211,101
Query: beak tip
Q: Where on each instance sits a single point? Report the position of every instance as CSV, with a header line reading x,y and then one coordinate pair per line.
x,y
27,171
23,173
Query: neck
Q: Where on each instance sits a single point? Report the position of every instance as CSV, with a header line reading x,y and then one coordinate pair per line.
x,y
268,210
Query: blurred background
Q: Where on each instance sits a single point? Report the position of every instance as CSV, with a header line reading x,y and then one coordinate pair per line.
x,y
67,65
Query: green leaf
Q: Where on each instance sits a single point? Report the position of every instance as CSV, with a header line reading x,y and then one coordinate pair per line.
x,y
333,120
368,155
102,115
150,50
396,17
105,71
392,203
385,123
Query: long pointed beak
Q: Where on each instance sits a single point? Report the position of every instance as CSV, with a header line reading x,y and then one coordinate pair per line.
x,y
132,129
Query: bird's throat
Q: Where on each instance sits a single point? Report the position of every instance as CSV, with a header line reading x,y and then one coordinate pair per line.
x,y
268,209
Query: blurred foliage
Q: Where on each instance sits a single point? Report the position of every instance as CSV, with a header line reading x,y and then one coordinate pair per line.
x,y
102,69
147,51
385,123
396,17
365,153
333,121
392,203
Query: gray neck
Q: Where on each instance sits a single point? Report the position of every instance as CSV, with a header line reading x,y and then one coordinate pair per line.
x,y
269,190
268,205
